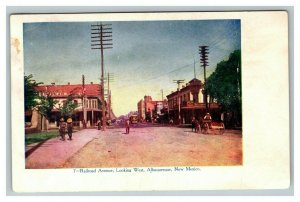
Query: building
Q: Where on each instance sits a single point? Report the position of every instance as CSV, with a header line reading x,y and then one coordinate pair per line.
x,y
149,109
187,102
87,98
141,110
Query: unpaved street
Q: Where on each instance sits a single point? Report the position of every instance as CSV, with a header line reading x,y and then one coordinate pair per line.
x,y
158,146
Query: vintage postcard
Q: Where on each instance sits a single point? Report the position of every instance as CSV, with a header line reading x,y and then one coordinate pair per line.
x,y
150,101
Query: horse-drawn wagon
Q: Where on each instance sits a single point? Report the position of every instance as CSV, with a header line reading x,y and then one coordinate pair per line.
x,y
211,127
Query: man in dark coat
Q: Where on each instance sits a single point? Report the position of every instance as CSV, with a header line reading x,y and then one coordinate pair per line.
x,y
62,128
127,125
70,127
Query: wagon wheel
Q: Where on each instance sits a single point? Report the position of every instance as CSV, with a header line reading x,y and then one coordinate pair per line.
x,y
204,128
222,128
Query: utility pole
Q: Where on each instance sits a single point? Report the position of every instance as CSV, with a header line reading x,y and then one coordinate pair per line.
x,y
101,37
194,69
83,99
178,87
162,94
203,51
110,78
178,82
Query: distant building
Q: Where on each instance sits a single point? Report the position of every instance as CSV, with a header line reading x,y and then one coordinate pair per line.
x,y
189,101
141,110
148,109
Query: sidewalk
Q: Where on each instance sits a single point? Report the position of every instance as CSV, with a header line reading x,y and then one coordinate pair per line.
x,y
54,152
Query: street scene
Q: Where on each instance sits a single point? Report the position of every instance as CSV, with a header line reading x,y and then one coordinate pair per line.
x,y
132,94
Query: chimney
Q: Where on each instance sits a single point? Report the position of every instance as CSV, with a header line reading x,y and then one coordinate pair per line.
x,y
68,83
53,84
91,82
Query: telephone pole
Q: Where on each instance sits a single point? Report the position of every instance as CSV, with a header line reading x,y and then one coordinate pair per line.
x,y
203,51
178,82
83,99
101,37
194,69
178,86
110,78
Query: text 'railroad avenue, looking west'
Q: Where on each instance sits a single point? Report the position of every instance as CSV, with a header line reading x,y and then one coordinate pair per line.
x,y
133,94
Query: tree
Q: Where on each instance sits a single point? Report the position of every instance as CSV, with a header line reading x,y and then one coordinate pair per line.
x,y
30,92
68,108
46,104
224,84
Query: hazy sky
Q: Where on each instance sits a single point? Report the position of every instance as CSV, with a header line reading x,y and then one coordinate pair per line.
x,y
146,56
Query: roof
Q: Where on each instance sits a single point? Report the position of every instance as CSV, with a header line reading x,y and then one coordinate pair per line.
x,y
91,90
193,82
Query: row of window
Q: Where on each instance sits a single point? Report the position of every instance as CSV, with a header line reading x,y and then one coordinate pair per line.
x,y
54,94
89,103
92,103
183,98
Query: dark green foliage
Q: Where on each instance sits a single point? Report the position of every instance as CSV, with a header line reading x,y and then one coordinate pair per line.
x,y
31,95
225,84
68,108
45,106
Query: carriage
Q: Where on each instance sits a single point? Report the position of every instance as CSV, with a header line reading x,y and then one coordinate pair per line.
x,y
210,127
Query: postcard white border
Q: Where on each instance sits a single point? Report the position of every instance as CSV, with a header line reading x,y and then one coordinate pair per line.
x,y
265,114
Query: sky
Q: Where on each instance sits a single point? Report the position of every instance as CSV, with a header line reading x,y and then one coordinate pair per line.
x,y
146,56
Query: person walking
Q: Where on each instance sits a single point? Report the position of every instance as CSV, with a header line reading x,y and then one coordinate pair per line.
x,y
99,124
62,128
193,124
70,127
84,123
127,125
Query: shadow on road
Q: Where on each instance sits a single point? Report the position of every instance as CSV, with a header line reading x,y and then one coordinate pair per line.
x,y
35,147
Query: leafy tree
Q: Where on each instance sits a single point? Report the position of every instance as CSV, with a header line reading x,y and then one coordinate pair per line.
x,y
224,84
68,108
31,94
46,104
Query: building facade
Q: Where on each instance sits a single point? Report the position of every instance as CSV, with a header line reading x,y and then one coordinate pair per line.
x,y
188,102
149,109
86,97
141,110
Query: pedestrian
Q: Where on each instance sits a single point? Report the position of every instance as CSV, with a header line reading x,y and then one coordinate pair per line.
x,y
99,124
171,121
127,125
62,128
70,127
197,126
84,123
193,124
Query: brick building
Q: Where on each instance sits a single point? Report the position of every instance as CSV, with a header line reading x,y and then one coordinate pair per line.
x,y
189,101
148,109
